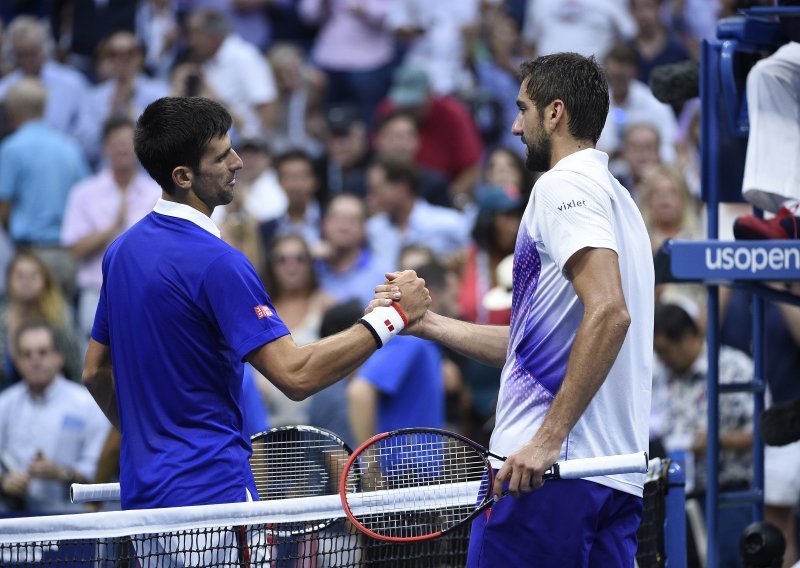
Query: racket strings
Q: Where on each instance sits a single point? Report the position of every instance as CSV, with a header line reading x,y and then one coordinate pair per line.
x,y
293,463
413,484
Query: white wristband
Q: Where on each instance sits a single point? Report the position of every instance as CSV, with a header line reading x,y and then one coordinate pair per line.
x,y
385,323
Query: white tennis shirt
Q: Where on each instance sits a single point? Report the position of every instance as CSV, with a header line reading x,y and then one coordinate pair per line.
x,y
577,204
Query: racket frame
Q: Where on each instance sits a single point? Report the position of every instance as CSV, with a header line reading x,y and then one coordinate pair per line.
x,y
354,460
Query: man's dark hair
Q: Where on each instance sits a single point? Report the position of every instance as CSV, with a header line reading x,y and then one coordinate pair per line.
x,y
34,324
294,155
214,22
622,53
578,81
673,322
398,171
175,131
115,123
435,275
340,317
394,115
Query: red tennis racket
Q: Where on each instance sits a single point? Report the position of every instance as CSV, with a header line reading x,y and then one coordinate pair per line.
x,y
420,483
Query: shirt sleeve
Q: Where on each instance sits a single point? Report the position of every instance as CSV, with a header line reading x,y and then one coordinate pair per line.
x,y
572,215
388,367
234,295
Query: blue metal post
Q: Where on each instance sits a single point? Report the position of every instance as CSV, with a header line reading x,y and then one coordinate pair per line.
x,y
675,529
709,119
759,378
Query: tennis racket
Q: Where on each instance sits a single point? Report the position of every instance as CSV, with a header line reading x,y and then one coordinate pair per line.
x,y
301,461
420,483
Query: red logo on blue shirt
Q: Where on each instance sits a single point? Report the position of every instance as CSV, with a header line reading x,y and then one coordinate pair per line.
x,y
263,312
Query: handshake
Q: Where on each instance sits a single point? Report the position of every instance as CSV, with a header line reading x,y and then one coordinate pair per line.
x,y
399,304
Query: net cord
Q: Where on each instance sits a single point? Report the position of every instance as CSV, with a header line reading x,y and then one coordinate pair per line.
x,y
177,519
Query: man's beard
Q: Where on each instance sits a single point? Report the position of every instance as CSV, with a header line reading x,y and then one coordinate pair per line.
x,y
537,158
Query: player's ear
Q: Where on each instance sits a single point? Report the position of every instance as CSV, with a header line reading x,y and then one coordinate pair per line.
x,y
182,177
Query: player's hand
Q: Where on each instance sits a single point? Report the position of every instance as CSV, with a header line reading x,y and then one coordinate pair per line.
x,y
405,288
15,483
524,468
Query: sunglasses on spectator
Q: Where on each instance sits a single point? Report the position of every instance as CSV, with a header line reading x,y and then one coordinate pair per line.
x,y
298,258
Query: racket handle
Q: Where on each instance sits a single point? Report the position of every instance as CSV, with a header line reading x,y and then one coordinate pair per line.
x,y
592,467
87,493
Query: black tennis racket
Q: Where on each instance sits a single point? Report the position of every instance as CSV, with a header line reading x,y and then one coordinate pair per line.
x,y
301,461
420,483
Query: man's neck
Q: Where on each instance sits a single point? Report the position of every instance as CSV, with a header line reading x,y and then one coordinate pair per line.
x,y
343,260
401,215
564,148
123,178
297,212
39,391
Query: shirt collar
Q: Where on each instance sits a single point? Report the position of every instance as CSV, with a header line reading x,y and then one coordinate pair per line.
x,y
592,154
182,211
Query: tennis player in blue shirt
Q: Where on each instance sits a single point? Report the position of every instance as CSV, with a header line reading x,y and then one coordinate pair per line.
x,y
180,311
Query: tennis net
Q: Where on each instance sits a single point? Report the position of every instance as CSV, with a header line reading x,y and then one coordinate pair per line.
x,y
292,533
303,533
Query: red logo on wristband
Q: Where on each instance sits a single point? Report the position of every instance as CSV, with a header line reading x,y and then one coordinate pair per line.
x,y
388,325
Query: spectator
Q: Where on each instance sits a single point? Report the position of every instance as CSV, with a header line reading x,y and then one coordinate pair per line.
x,y
100,208
33,294
294,289
296,176
680,413
299,119
81,26
449,140
505,168
654,43
589,27
264,199
125,90
639,154
350,268
30,47
438,34
494,238
348,153
632,102
397,138
402,218
354,48
250,19
234,70
157,29
52,431
668,210
496,73
38,167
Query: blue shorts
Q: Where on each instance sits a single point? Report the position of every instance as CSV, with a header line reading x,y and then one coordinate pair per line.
x,y
575,523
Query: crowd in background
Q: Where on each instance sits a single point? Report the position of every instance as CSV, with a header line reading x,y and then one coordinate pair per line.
x,y
375,136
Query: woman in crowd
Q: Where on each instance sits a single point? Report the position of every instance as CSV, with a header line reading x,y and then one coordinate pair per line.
x,y
292,286
32,294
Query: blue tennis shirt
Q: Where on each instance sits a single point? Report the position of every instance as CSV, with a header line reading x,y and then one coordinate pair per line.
x,y
180,310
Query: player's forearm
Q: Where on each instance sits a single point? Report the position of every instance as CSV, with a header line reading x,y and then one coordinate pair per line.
x,y
597,344
102,390
301,371
487,344
98,378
